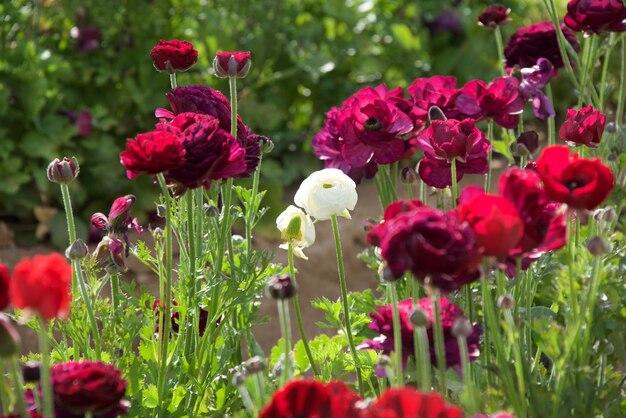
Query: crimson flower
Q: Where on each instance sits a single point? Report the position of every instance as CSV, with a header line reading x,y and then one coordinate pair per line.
x,y
159,306
174,55
494,219
312,399
437,91
119,219
408,402
578,182
494,15
445,140
596,16
210,152
88,386
232,64
5,280
501,101
584,126
535,41
544,220
152,153
433,245
42,284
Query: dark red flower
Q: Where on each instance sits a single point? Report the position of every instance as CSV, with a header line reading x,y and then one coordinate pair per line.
x,y
536,41
437,91
372,129
81,121
87,38
445,140
529,140
31,414
174,55
584,126
152,153
87,386
202,99
158,306
581,183
210,152
408,402
431,244
544,220
232,64
5,280
501,101
312,399
494,15
596,16
42,284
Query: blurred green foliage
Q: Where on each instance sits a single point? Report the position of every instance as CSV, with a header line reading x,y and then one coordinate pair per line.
x,y
308,55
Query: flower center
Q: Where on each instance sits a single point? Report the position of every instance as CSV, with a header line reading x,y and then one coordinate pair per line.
x,y
328,185
372,124
574,184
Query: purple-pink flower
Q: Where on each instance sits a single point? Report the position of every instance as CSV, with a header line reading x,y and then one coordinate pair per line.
x,y
440,91
533,80
500,100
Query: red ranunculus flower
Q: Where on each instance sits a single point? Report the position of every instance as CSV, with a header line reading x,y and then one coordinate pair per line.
x,y
536,41
158,306
174,55
88,386
501,101
544,220
382,322
581,183
312,399
372,128
437,91
42,284
211,153
5,280
494,15
445,140
152,153
431,244
584,126
408,402
232,64
202,99
31,414
596,16
494,219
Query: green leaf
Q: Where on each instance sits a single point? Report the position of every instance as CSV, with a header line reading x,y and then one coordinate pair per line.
x,y
150,397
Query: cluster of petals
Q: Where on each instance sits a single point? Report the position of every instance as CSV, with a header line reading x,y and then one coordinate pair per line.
x,y
583,127
494,15
440,91
435,246
174,55
448,140
596,16
159,307
312,399
382,323
533,80
501,101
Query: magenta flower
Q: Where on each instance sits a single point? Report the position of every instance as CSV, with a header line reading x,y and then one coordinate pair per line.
x,y
383,324
440,91
451,139
533,79
500,100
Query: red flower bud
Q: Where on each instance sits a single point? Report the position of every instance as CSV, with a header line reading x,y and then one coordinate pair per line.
x,y
584,126
63,171
174,55
494,15
232,64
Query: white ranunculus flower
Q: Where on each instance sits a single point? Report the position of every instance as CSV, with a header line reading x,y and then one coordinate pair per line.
x,y
296,228
327,192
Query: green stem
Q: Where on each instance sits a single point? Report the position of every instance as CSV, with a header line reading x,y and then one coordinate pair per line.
x,y
561,42
285,326
513,336
296,306
254,205
470,390
439,348
619,115
589,306
499,45
489,155
551,129
45,381
605,68
115,294
585,69
420,346
571,239
173,83
192,311
18,387
71,228
455,186
165,324
397,333
346,304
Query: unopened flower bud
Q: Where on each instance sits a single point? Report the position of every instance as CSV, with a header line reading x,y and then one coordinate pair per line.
x,y
462,327
63,171
526,144
384,361
611,127
611,157
9,338
408,175
239,379
77,251
267,145
255,365
160,211
211,211
158,233
605,347
385,273
419,318
607,214
506,302
597,246
109,254
281,287
31,371
435,113
232,64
